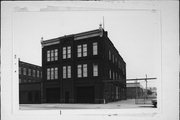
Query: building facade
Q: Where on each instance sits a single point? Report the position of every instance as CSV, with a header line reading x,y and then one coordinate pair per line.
x,y
30,77
82,68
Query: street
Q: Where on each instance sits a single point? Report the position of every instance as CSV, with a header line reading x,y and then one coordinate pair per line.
x,y
129,103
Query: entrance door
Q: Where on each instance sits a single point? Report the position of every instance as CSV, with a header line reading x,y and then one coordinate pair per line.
x,y
85,94
53,95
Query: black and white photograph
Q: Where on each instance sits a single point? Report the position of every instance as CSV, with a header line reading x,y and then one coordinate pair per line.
x,y
78,57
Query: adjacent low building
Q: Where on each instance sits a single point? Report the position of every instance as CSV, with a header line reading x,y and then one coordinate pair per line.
x,y
82,68
30,77
134,90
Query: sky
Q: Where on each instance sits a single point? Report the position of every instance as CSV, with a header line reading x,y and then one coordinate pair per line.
x,y
135,34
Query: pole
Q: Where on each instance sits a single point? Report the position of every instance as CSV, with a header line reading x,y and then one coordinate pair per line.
x,y
136,93
146,88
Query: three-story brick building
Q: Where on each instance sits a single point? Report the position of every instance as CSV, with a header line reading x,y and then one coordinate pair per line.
x,y
82,68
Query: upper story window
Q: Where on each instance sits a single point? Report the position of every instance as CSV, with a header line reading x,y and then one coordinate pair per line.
x,y
52,73
84,50
113,58
95,48
113,75
34,73
79,71
55,73
66,52
48,73
79,51
48,55
95,70
109,55
69,52
110,74
84,70
38,73
56,54
29,72
52,55
66,72
24,71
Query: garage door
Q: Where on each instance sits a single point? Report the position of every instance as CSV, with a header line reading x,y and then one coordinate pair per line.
x,y
53,95
85,94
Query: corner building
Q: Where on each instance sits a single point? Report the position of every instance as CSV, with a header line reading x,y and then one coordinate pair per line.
x,y
82,68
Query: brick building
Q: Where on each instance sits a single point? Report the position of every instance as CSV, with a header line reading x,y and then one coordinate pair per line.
x,y
30,77
82,68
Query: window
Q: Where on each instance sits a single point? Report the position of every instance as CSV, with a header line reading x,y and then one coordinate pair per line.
x,y
52,55
24,71
52,73
84,50
84,70
79,51
48,74
19,80
79,71
64,52
34,72
41,74
109,55
69,52
29,72
113,58
64,71
95,48
116,76
48,55
110,74
69,72
95,70
37,73
56,73
113,76
56,54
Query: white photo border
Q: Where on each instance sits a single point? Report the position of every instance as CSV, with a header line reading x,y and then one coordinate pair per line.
x,y
10,87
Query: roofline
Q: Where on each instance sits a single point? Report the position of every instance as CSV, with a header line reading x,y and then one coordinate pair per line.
x,y
76,36
29,63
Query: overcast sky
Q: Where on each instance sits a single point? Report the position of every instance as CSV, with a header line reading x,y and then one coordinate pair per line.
x,y
135,34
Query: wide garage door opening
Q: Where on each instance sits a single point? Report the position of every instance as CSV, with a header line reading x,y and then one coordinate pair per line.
x,y
53,95
85,94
